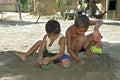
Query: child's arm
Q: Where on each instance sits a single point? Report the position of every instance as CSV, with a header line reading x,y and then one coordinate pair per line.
x,y
41,49
62,49
69,47
97,24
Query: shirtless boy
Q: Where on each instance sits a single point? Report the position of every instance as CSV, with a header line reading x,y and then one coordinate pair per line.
x,y
76,39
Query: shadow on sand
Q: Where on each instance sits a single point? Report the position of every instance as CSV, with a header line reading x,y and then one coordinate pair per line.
x,y
19,23
112,23
100,68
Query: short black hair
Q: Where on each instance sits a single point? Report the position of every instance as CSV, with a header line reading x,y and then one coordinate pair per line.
x,y
52,26
82,21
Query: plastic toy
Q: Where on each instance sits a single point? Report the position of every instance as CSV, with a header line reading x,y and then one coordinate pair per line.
x,y
43,66
46,67
97,48
37,64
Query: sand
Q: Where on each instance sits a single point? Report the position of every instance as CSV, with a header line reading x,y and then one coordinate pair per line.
x,y
21,35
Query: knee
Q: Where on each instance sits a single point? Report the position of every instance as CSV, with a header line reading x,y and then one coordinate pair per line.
x,y
66,63
39,42
90,38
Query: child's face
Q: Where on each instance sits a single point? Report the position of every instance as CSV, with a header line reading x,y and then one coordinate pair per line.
x,y
81,30
52,36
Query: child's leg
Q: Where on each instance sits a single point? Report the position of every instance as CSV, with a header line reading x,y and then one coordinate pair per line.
x,y
79,43
89,42
65,61
30,51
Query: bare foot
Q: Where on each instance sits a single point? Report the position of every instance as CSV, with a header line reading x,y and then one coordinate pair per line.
x,y
21,56
89,53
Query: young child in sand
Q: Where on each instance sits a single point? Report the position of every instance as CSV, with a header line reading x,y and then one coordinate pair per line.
x,y
52,48
76,39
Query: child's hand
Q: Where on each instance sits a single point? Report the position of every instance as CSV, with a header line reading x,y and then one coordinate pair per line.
x,y
81,62
46,60
96,35
39,60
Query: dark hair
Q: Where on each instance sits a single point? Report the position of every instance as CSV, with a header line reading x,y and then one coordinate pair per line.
x,y
82,21
52,26
80,2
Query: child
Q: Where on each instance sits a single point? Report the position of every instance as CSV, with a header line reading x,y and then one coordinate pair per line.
x,y
52,48
80,7
76,39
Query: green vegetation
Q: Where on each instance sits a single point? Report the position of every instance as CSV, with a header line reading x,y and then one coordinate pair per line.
x,y
63,2
26,5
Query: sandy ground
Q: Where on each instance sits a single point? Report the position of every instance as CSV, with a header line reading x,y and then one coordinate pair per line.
x,y
21,35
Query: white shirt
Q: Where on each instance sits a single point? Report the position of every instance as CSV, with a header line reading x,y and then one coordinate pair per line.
x,y
55,47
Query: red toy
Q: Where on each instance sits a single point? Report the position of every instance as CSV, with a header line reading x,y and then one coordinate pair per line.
x,y
37,64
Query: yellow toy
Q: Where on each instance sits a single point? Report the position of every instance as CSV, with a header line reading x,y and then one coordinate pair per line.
x,y
97,48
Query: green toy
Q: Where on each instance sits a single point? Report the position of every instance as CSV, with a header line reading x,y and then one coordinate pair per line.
x,y
97,48
46,67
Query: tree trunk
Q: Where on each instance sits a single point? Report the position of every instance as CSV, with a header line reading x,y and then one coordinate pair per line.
x,y
19,9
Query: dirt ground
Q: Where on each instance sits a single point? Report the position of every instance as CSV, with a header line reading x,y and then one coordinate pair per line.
x,y
21,35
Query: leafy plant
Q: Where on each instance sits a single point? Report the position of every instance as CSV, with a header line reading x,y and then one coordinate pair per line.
x,y
23,4
63,2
